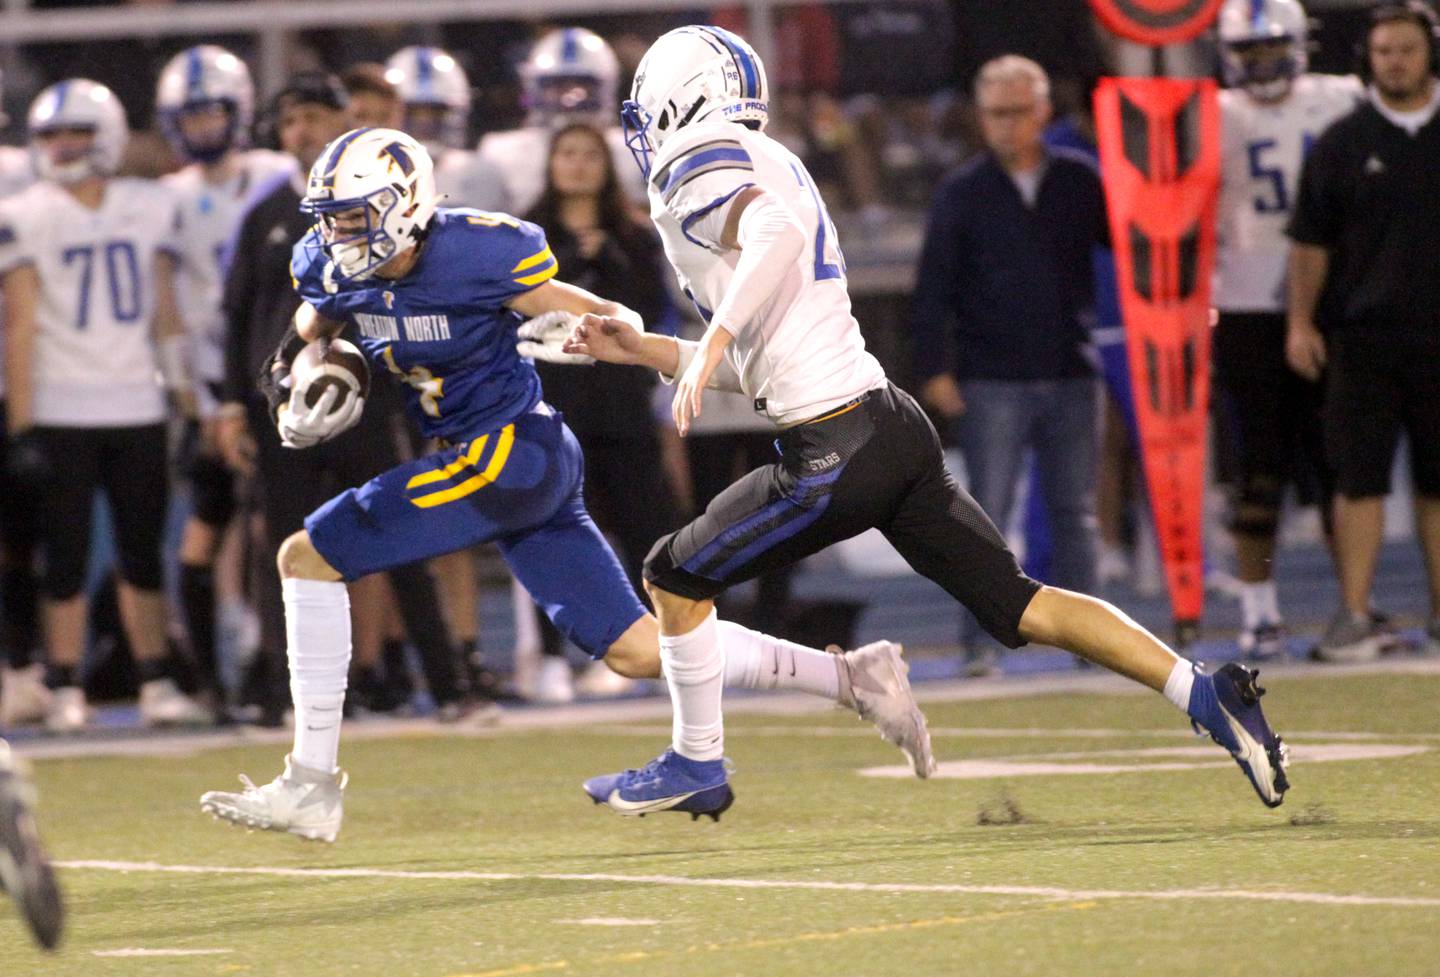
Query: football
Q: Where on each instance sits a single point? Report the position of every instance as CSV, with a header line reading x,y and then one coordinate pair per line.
x,y
328,363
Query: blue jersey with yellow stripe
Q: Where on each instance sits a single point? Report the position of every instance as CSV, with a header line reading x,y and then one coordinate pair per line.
x,y
444,329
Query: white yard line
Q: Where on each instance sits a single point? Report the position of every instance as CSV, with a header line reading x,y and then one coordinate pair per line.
x,y
1043,892
137,951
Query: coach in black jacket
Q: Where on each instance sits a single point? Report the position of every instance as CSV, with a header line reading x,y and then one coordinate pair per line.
x,y
1006,273
1365,306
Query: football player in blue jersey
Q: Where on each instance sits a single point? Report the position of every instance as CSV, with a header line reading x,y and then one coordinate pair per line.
x,y
438,297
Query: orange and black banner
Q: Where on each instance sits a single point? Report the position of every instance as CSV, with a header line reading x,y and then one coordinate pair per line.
x,y
1160,157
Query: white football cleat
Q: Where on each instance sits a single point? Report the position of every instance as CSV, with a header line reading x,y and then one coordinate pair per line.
x,y
68,712
875,685
163,704
23,696
302,801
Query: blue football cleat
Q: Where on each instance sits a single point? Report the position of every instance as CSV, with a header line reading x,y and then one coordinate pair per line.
x,y
1227,706
670,782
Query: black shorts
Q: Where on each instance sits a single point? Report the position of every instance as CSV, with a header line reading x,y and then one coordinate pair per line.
x,y
876,464
1377,388
129,463
1268,417
212,488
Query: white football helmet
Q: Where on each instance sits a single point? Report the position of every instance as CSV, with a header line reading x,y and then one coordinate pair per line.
x,y
1263,45
429,78
200,78
570,76
690,74
78,104
373,191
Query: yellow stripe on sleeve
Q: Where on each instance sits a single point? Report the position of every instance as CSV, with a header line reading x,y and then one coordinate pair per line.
x,y
472,485
540,276
538,258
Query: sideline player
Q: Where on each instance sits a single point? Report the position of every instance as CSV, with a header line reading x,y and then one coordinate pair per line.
x,y
570,75
436,296
753,246
88,264
435,103
1269,117
205,102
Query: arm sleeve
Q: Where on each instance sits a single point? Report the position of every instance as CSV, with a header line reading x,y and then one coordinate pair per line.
x,y
771,239
724,378
934,306
1318,216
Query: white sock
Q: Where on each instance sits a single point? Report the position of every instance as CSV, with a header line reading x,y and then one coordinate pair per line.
x,y
1179,684
694,667
317,630
759,661
1259,603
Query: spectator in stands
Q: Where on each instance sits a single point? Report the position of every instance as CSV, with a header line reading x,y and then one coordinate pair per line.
x,y
373,100
1364,281
88,264
259,302
605,250
1006,271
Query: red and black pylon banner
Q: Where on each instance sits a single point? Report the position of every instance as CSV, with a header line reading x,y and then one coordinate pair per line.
x,y
1157,22
1160,158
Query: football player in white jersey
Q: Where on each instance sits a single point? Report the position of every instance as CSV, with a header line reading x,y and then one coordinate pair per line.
x,y
1269,116
88,264
751,242
435,98
205,102
570,75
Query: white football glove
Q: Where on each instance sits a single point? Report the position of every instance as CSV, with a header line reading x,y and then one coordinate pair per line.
x,y
305,427
542,337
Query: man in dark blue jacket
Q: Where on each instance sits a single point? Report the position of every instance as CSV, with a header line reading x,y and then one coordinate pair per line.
x,y
1002,308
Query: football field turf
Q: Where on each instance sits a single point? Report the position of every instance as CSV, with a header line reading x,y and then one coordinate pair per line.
x,y
1080,832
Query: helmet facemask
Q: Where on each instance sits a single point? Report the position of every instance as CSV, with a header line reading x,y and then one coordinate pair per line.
x,y
354,232
66,166
1265,67
203,148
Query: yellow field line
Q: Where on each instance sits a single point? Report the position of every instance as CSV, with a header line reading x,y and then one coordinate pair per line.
x,y
637,956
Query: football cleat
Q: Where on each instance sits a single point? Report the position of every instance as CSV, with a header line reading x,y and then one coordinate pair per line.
x,y
163,704
879,690
302,801
670,782
25,872
1227,706
23,696
68,712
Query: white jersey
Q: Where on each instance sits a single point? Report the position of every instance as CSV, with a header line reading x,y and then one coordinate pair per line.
x,y
210,213
468,179
521,155
1262,149
17,171
94,355
803,353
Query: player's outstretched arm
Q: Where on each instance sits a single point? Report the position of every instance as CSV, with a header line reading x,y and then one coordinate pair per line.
x,y
21,287
171,344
